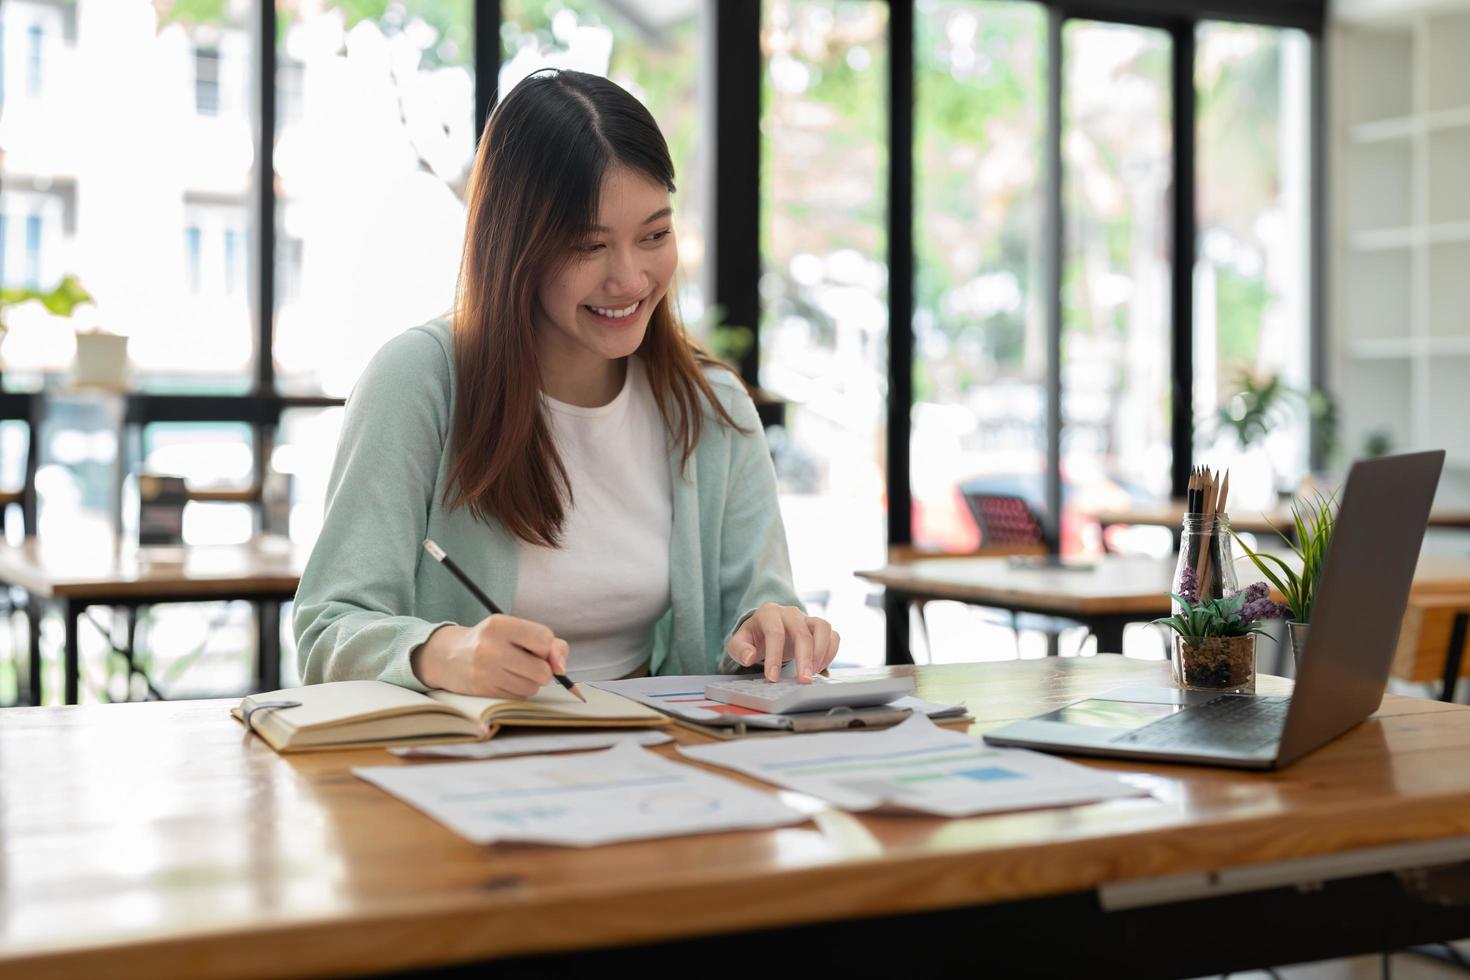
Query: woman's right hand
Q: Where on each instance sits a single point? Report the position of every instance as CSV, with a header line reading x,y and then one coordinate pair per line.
x,y
499,657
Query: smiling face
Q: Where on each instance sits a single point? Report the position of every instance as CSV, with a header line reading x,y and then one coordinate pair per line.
x,y
595,309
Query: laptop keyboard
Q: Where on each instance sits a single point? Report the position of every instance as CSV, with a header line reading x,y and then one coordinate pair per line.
x,y
1237,724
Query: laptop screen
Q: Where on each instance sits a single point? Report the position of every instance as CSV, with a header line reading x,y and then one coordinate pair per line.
x,y
1098,713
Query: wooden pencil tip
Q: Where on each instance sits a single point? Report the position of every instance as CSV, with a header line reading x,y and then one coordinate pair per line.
x,y
577,691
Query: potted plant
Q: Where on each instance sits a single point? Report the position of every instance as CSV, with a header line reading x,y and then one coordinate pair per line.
x,y
101,356
1215,639
60,300
1313,524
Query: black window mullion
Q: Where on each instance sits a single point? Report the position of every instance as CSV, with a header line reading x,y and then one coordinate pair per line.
x,y
1181,304
1053,243
900,259
735,242
1317,248
488,15
263,198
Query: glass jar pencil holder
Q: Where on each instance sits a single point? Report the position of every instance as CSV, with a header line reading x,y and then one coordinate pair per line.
x,y
1206,565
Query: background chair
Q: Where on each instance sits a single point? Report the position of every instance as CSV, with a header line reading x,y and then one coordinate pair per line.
x,y
263,416
1433,641
1005,520
1008,526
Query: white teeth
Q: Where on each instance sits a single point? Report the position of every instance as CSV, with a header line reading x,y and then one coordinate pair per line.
x,y
614,314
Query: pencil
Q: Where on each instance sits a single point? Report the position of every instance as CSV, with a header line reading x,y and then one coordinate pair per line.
x,y
443,559
1207,513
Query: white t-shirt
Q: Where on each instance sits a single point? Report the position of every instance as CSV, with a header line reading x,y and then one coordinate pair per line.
x,y
606,586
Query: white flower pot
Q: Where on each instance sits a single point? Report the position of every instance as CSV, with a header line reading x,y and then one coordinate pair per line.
x,y
101,360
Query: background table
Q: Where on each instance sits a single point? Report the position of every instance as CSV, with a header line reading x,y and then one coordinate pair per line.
x,y
1115,591
1170,514
159,839
73,575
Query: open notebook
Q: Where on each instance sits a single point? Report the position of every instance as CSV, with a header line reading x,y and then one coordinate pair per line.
x,y
359,714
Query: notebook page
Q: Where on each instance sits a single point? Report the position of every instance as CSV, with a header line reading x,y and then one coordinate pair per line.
x,y
552,701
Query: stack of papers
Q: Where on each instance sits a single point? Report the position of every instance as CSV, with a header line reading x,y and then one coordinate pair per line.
x,y
623,793
683,698
917,767
507,745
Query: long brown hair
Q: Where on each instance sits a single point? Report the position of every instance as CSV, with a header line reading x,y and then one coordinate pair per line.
x,y
533,197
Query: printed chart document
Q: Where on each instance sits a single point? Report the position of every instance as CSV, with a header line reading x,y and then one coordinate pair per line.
x,y
507,745
623,793
683,698
914,766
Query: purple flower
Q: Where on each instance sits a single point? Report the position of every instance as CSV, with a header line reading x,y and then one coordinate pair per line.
x,y
1258,605
1189,585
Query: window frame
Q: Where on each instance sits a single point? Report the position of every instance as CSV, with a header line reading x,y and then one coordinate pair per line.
x,y
734,241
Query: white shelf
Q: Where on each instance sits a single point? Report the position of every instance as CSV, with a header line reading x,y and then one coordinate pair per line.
x,y
1385,349
1447,233
1442,119
1405,127
1384,239
1390,348
1446,346
1400,329
1382,130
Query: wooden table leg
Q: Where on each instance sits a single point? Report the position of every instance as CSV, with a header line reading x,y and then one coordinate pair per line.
x,y
72,664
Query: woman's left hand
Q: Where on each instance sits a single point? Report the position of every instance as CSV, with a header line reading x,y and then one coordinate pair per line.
x,y
775,634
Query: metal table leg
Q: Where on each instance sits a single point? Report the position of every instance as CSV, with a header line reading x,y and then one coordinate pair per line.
x,y
1454,656
1109,632
896,618
72,665
268,644
33,652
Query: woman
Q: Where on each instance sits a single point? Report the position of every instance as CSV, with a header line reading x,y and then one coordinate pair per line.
x,y
604,480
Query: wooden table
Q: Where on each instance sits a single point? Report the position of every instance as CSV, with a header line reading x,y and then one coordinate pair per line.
x,y
73,575
1433,641
1115,591
1170,514
159,839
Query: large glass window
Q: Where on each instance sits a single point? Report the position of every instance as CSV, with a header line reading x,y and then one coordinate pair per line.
x,y
979,416
373,157
206,81
35,48
824,320
1251,271
1117,173
118,220
654,49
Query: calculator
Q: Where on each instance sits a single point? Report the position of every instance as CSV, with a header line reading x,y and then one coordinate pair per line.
x,y
786,696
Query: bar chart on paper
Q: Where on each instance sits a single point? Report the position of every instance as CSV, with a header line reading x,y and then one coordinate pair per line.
x,y
915,766
622,793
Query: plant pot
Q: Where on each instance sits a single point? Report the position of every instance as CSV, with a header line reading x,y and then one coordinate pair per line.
x,y
101,360
1216,663
1298,633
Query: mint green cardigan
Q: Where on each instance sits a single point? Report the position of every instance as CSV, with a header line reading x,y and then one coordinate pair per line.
x,y
370,594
